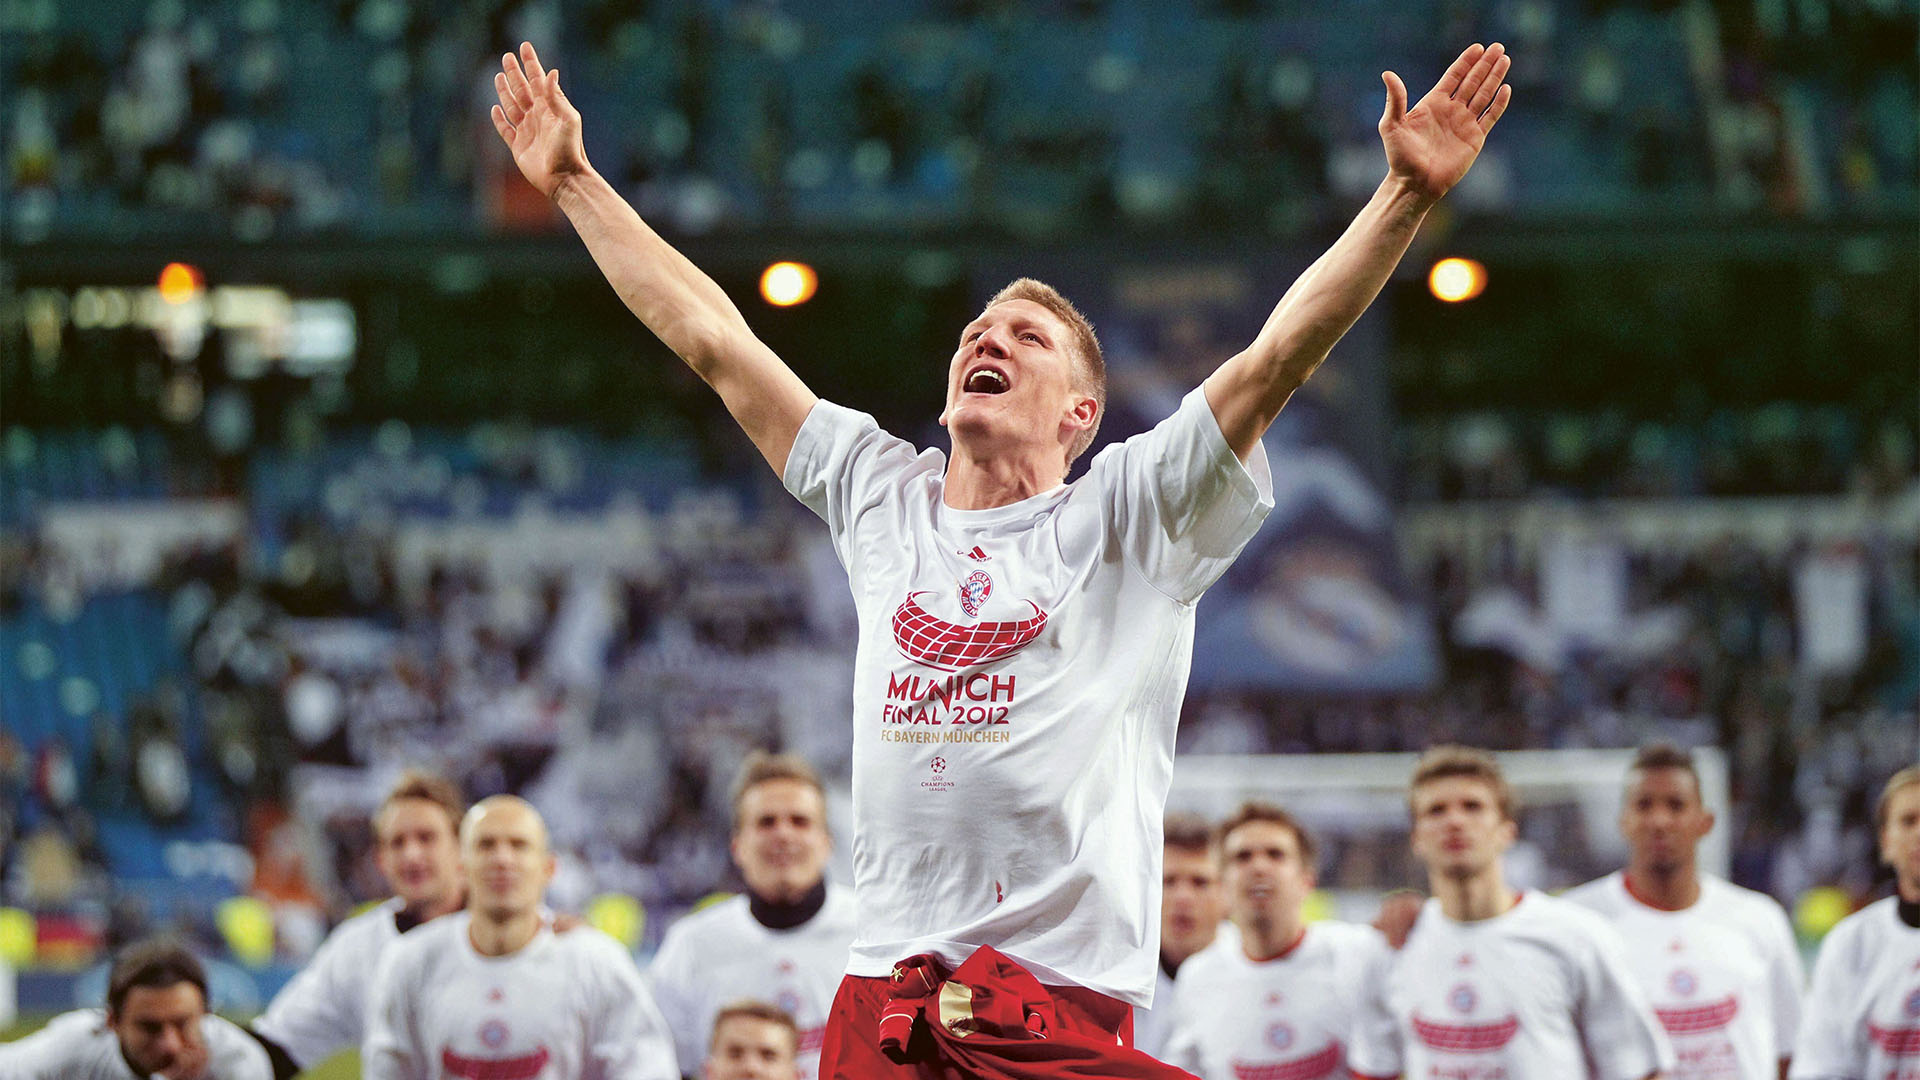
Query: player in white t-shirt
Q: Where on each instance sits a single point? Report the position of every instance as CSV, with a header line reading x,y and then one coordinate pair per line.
x,y
322,1010
1024,642
1191,910
156,1024
1494,984
492,992
1275,1001
784,941
1718,962
752,1040
1863,1010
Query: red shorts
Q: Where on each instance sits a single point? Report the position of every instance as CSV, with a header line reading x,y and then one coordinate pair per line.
x,y
852,1048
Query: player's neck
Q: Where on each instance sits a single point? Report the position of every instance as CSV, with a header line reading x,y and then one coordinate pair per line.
x,y
1485,895
502,936
978,481
1664,890
1262,941
412,915
1907,890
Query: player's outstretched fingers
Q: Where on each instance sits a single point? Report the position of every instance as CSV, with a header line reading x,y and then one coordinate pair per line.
x,y
1476,75
1484,96
516,81
1499,106
532,61
509,108
501,125
1457,70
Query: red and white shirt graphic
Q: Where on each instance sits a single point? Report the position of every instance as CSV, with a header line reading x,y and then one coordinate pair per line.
x,y
1541,991
1288,1018
1040,651
1863,1008
721,954
1723,976
563,1007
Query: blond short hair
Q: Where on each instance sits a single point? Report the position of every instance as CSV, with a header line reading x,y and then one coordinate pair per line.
x,y
1883,808
755,1010
1089,364
1446,762
426,787
762,767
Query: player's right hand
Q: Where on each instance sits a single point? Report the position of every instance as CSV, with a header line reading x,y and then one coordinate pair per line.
x,y
537,122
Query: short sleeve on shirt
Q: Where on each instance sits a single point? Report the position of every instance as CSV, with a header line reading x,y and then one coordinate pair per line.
x,y
842,465
1184,504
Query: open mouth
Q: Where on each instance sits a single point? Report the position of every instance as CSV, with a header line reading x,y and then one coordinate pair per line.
x,y
986,380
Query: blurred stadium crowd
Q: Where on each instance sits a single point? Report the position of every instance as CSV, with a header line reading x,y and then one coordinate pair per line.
x,y
259,118
208,701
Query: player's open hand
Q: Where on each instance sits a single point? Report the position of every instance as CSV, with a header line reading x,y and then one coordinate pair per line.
x,y
1432,145
537,122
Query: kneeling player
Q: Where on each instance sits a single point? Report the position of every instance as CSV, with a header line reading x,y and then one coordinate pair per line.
x,y
1863,1012
1493,982
491,992
1278,998
156,1024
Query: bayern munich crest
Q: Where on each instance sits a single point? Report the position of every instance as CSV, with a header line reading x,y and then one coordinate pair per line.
x,y
974,592
1462,998
1913,1004
493,1034
1683,982
1279,1036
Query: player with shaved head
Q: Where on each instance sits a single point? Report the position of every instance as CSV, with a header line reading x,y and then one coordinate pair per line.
x,y
492,992
1024,641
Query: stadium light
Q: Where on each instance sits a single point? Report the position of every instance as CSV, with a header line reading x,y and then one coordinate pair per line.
x,y
1456,280
785,284
180,282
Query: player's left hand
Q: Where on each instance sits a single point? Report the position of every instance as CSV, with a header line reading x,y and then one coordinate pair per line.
x,y
1432,145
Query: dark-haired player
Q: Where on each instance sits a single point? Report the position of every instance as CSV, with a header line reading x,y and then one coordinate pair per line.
x,y
1718,962
156,1023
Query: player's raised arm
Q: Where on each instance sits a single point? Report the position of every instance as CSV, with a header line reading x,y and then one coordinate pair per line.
x,y
1429,148
679,303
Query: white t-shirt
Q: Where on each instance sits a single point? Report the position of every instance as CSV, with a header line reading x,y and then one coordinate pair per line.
x,y
1152,1025
1723,975
322,1010
562,1007
1017,686
715,957
80,1046
1288,1018
1863,1010
1541,991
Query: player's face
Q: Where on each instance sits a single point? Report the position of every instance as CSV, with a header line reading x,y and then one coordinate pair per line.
x,y
1663,819
507,862
417,852
1900,839
1458,829
782,843
749,1048
1266,875
159,1028
1011,382
1191,904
